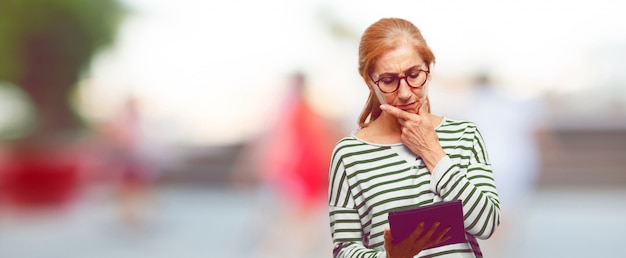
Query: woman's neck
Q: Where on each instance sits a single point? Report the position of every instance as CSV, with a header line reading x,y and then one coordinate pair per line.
x,y
384,130
387,130
387,124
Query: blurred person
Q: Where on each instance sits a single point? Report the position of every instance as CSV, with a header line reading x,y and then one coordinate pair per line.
x,y
136,172
291,157
402,156
514,153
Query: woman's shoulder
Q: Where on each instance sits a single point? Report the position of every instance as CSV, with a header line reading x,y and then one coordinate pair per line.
x,y
350,140
345,145
346,140
457,125
352,143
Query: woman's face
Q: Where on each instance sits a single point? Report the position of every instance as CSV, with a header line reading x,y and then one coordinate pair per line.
x,y
398,62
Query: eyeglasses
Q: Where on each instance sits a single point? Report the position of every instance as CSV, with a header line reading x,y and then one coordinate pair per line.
x,y
390,82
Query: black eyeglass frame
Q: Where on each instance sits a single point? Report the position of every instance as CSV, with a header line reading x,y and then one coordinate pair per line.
x,y
400,79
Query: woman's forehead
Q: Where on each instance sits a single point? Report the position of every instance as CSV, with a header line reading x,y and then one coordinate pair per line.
x,y
398,60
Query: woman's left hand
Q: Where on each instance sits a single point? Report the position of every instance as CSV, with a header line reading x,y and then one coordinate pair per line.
x,y
418,134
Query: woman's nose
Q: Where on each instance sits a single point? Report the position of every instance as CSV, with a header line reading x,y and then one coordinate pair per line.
x,y
404,90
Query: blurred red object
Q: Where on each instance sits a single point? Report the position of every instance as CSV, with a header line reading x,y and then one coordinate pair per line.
x,y
296,150
42,177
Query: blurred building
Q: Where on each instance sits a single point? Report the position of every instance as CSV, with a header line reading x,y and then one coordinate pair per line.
x,y
586,143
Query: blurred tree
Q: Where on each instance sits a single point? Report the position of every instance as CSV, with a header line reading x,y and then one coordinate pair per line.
x,y
45,46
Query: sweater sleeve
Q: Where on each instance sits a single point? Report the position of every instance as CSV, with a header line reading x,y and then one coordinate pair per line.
x,y
474,185
345,224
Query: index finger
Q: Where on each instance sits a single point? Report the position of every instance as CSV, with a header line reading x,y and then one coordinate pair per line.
x,y
423,108
394,111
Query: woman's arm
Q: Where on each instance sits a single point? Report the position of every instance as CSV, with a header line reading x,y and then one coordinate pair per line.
x,y
346,233
345,224
474,185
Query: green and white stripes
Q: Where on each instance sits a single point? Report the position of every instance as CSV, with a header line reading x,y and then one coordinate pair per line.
x,y
368,180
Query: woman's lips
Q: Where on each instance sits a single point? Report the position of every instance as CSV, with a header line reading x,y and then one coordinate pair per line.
x,y
409,106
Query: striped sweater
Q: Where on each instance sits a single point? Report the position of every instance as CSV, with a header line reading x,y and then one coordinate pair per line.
x,y
368,180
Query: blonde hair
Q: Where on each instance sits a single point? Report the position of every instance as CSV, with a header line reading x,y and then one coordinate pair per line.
x,y
380,37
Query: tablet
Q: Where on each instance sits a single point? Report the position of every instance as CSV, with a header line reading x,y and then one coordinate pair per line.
x,y
449,214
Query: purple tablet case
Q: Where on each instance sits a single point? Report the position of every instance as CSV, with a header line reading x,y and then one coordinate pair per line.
x,y
449,214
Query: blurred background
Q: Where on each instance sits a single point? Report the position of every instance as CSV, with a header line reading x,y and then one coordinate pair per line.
x,y
152,128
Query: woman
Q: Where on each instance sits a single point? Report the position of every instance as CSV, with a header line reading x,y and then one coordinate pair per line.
x,y
404,156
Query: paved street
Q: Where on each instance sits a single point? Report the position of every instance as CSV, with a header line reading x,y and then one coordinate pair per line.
x,y
205,222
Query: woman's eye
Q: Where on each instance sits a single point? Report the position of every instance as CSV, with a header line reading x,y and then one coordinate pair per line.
x,y
388,80
414,75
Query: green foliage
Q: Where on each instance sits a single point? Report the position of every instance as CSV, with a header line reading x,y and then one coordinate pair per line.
x,y
81,27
